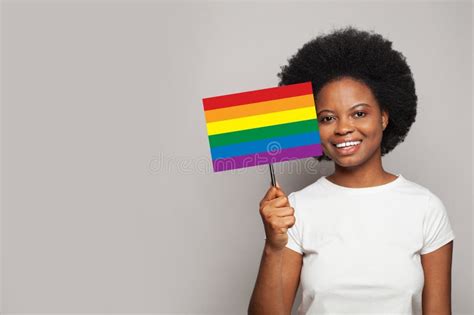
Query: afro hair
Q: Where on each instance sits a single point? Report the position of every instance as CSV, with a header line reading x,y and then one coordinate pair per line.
x,y
366,57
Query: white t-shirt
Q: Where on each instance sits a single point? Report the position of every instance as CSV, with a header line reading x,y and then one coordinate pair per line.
x,y
361,246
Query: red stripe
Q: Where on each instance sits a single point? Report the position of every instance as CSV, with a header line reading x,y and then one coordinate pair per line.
x,y
257,96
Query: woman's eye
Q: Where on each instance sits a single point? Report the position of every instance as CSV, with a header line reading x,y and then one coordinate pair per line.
x,y
323,119
360,113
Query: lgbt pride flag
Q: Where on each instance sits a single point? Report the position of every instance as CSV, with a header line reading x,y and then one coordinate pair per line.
x,y
262,126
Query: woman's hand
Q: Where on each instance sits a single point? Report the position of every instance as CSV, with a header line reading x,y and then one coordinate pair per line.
x,y
277,217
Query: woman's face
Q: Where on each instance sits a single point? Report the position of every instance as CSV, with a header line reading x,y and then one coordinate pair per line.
x,y
348,111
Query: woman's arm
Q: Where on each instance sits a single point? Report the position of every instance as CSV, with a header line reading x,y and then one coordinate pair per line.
x,y
437,290
277,282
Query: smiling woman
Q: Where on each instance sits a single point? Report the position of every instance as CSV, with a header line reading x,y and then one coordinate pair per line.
x,y
362,240
369,59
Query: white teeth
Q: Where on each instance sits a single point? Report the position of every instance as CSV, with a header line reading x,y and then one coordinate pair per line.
x,y
347,144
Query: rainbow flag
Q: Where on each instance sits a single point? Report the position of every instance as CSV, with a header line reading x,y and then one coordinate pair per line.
x,y
262,126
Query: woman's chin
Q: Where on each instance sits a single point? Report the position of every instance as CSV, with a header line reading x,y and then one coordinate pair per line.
x,y
346,161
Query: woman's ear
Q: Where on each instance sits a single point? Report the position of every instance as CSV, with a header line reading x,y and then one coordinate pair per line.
x,y
384,119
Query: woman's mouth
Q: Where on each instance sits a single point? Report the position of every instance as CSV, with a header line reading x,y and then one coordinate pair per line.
x,y
347,148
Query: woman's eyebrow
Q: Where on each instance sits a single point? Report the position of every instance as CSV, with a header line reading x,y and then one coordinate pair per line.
x,y
353,106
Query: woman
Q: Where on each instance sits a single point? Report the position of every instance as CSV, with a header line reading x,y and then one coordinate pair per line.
x,y
362,240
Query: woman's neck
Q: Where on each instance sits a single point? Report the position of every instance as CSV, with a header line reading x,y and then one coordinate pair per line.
x,y
354,180
366,175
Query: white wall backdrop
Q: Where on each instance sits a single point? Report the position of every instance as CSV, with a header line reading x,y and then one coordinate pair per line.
x,y
108,201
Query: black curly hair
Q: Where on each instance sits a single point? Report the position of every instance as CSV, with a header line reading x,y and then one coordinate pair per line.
x,y
366,57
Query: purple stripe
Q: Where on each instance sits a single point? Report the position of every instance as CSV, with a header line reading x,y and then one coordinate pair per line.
x,y
267,157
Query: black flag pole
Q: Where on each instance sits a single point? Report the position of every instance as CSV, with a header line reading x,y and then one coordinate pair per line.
x,y
272,174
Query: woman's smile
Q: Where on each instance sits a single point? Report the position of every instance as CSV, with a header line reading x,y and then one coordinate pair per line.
x,y
348,148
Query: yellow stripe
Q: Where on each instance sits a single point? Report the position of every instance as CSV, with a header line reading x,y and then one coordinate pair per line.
x,y
258,121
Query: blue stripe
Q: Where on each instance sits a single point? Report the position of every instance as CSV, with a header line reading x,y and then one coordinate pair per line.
x,y
265,145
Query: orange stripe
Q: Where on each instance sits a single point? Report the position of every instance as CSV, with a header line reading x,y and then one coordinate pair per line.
x,y
260,108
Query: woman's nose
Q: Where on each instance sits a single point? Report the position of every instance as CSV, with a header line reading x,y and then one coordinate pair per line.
x,y
343,126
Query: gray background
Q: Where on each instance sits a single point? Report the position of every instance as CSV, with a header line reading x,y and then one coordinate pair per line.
x,y
108,200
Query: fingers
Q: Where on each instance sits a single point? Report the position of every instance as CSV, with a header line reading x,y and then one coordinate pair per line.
x,y
269,194
288,221
286,211
270,211
277,215
277,203
281,224
272,193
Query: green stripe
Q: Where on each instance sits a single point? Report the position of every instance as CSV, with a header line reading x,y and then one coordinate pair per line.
x,y
263,133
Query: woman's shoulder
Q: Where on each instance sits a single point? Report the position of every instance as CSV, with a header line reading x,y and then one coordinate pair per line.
x,y
433,199
411,187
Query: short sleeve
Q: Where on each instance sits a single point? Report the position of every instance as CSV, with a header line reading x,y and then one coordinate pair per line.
x,y
437,229
294,233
